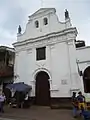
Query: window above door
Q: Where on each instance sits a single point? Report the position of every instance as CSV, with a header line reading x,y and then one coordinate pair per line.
x,y
41,53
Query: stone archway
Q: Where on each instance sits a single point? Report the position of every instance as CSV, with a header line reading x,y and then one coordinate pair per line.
x,y
86,80
42,90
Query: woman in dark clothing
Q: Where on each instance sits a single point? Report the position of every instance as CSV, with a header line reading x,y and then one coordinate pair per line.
x,y
20,99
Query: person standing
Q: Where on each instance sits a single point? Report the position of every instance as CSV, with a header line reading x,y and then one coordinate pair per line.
x,y
75,104
81,101
2,100
26,101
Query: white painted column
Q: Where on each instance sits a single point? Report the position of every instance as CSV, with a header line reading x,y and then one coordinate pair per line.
x,y
74,76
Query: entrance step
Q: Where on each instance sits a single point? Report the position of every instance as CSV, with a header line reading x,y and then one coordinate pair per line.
x,y
61,106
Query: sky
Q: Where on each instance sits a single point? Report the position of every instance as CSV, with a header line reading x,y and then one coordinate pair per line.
x,y
15,12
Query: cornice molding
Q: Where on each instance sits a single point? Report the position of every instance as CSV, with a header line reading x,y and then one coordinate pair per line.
x,y
49,36
86,62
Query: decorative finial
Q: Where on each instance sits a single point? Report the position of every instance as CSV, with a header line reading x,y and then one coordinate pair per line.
x,y
19,29
66,14
41,3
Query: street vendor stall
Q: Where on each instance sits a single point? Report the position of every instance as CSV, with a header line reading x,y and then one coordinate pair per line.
x,y
19,91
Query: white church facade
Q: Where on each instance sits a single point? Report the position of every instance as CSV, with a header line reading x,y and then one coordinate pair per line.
x,y
47,58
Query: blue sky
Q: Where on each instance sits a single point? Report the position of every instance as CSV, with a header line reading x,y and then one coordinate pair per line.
x,y
15,12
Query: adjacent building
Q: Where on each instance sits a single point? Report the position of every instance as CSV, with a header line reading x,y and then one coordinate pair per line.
x,y
7,56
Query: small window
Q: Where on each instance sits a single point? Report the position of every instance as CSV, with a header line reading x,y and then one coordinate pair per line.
x,y
45,21
41,53
36,24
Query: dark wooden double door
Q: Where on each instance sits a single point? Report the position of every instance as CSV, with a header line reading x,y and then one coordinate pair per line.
x,y
42,89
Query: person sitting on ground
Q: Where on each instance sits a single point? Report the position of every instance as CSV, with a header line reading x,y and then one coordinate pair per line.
x,y
81,101
75,104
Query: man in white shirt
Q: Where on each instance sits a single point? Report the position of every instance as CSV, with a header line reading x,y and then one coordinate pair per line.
x,y
26,97
2,99
26,101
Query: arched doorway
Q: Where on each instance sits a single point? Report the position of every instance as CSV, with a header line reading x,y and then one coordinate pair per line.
x,y
42,89
86,80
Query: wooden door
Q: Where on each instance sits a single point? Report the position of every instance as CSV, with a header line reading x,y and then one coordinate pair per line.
x,y
42,89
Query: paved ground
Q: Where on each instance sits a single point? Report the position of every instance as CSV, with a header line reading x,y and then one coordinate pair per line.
x,y
6,119
36,113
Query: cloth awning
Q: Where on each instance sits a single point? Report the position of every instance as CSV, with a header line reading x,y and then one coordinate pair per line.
x,y
20,87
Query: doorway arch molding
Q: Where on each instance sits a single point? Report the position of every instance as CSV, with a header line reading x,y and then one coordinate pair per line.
x,y
39,70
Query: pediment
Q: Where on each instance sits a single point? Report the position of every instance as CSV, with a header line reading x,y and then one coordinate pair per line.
x,y
43,10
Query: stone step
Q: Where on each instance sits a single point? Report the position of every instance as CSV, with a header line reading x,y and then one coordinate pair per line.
x,y
61,106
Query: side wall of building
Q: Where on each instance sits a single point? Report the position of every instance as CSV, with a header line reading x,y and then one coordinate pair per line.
x,y
83,59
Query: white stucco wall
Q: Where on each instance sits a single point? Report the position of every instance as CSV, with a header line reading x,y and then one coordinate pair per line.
x,y
60,63
83,57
